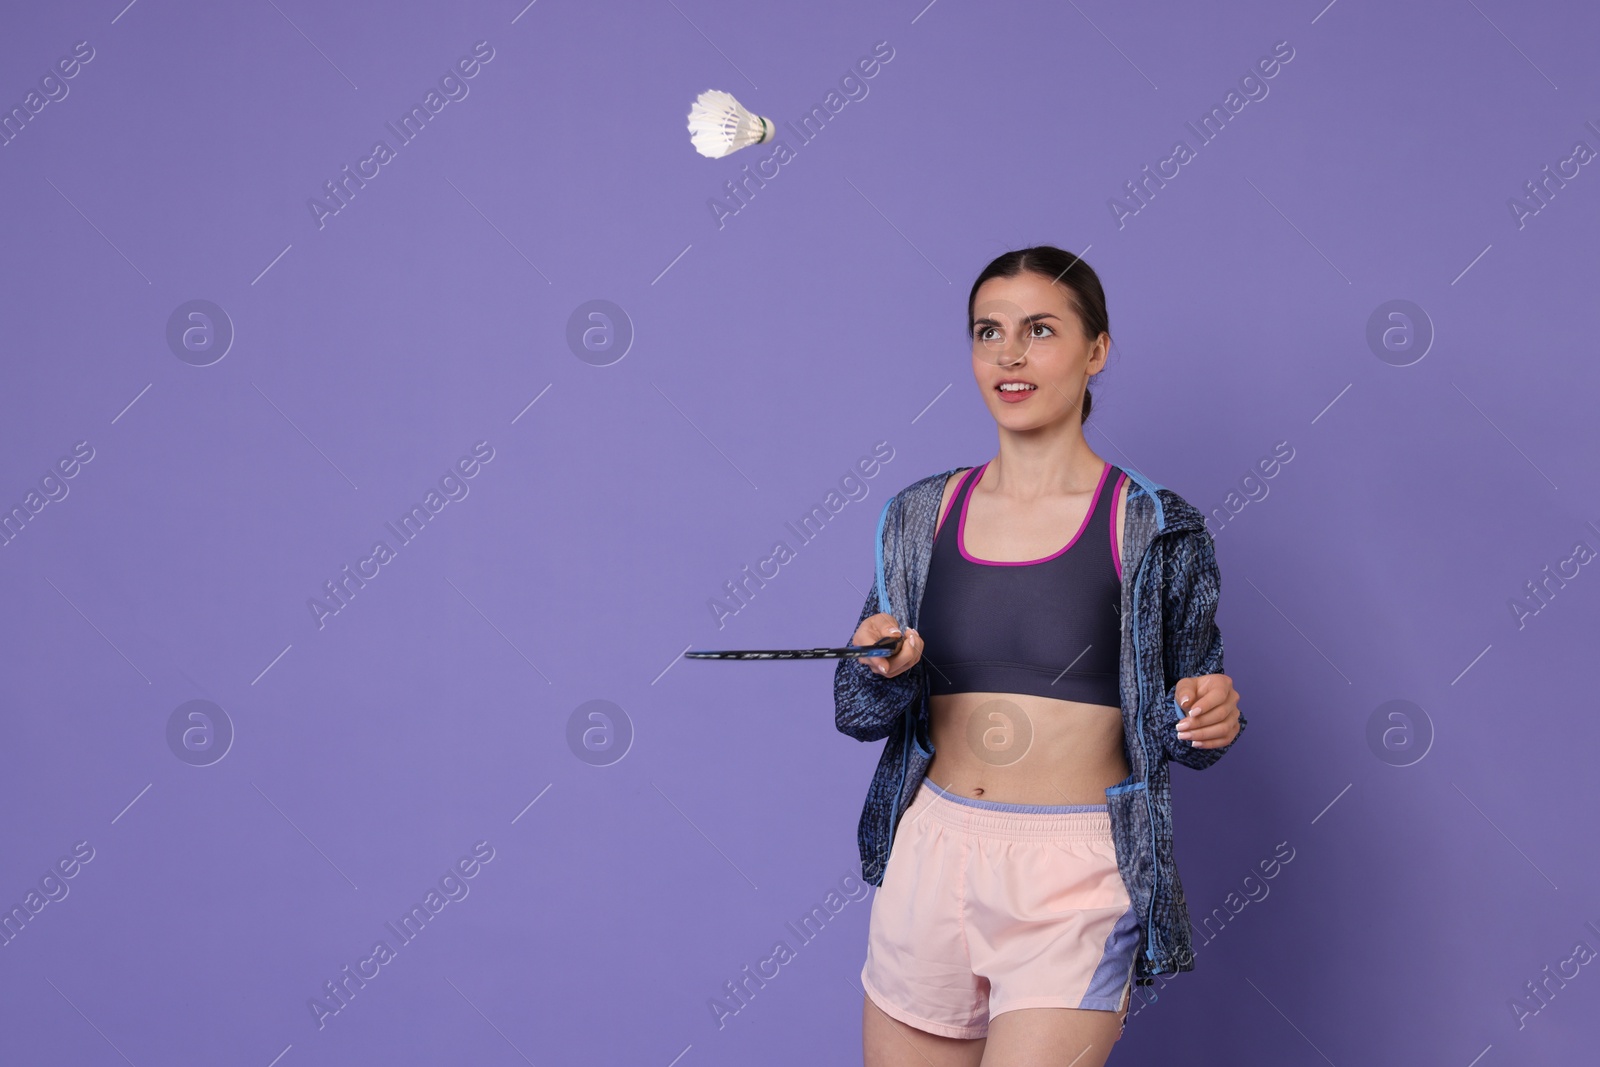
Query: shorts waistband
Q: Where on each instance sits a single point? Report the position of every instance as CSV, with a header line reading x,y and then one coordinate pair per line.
x,y
1079,822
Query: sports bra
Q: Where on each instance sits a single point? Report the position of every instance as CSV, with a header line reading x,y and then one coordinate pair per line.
x,y
1046,627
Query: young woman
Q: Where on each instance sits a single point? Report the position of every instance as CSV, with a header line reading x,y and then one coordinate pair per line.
x,y
1059,648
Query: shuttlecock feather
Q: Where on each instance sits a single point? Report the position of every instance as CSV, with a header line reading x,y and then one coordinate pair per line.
x,y
719,124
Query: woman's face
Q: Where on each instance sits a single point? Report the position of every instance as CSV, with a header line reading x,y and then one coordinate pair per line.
x,y
1025,333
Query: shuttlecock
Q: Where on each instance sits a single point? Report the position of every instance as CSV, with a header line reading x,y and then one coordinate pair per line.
x,y
719,124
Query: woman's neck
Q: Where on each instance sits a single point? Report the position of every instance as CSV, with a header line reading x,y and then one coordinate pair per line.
x,y
1030,466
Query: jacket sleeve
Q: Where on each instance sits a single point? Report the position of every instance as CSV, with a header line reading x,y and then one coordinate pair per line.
x,y
1192,643
867,705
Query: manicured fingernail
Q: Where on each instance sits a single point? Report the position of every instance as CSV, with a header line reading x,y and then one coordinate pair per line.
x,y
1196,744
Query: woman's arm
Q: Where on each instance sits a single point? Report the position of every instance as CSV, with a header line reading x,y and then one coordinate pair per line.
x,y
1192,643
866,705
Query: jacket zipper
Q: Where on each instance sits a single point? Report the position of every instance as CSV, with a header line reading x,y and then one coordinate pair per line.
x,y
912,714
905,759
1155,866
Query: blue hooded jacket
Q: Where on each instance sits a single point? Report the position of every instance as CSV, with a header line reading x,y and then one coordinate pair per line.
x,y
1169,600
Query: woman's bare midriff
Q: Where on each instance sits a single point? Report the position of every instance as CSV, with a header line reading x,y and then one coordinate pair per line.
x,y
1012,748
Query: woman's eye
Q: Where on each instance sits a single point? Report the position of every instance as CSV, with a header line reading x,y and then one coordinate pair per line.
x,y
1042,326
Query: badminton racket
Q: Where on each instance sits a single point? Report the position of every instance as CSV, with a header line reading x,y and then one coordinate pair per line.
x,y
886,647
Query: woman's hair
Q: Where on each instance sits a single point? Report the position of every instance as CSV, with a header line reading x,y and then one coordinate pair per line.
x,y
1083,286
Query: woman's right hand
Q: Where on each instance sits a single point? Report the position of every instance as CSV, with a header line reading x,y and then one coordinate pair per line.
x,y
875,628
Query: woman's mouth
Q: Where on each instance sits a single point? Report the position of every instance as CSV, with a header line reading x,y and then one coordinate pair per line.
x,y
1015,392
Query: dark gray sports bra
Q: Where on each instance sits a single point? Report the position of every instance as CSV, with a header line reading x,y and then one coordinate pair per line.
x,y
1046,627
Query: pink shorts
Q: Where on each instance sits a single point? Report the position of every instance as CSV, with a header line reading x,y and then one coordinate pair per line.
x,y
986,907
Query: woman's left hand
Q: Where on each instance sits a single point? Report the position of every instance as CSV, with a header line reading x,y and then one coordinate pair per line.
x,y
1213,710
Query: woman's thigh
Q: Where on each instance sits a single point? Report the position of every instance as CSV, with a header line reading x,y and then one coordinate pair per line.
x,y
1052,1037
887,1042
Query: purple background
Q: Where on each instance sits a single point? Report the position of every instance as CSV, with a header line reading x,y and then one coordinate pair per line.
x,y
770,353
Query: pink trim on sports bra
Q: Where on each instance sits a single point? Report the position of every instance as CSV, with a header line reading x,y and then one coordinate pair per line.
x,y
1116,550
1094,501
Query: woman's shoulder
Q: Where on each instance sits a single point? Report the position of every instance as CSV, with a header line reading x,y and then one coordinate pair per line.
x,y
1173,513
1181,516
931,486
